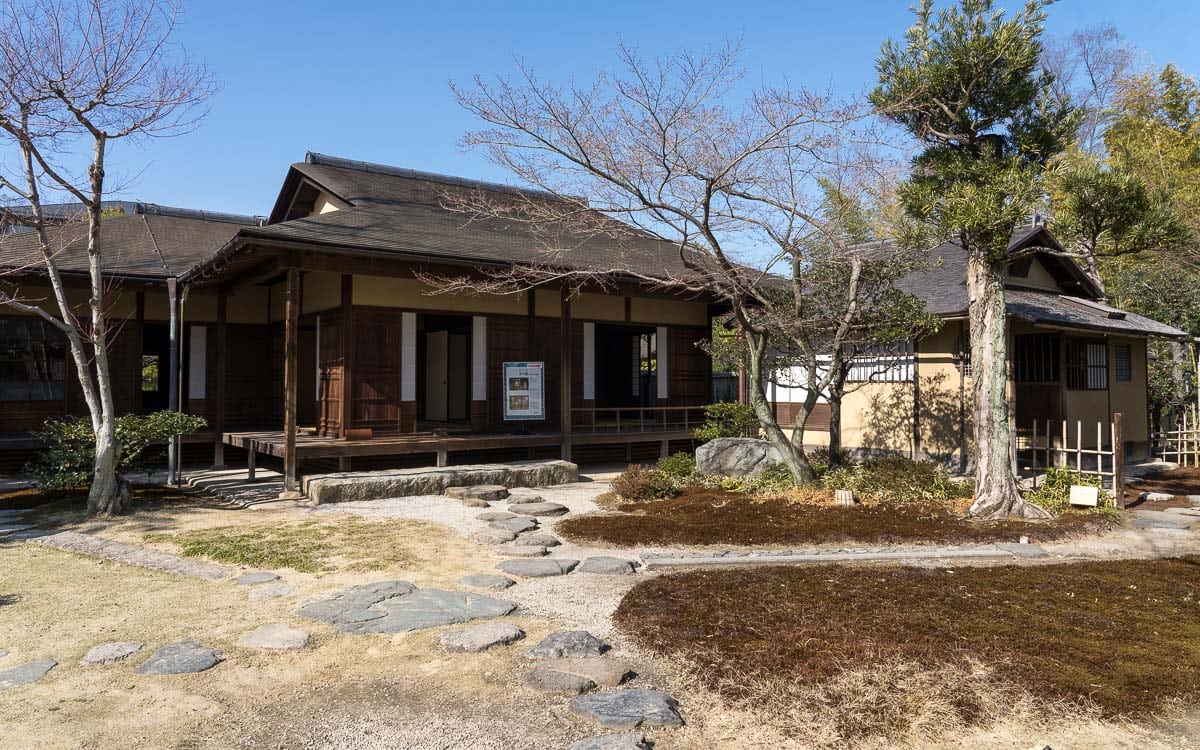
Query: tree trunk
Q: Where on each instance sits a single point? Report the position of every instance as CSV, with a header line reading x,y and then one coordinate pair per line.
x,y
996,493
835,428
109,493
792,455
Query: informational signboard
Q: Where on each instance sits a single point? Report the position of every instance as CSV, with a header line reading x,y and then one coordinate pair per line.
x,y
524,390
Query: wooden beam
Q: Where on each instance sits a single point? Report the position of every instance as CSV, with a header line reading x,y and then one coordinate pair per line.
x,y
222,363
565,373
346,419
290,373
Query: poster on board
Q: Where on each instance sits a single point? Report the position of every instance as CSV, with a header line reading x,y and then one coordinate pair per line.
x,y
524,390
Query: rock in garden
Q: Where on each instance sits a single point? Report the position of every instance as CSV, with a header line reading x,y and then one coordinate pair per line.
x,y
355,603
538,509
634,741
257,577
603,671
538,568
274,591
1194,500
479,492
522,550
629,709
515,525
537,540
736,457
415,609
493,536
481,637
275,637
1161,521
523,495
1156,497
183,657
474,502
549,681
607,566
495,515
107,653
486,581
25,674
567,643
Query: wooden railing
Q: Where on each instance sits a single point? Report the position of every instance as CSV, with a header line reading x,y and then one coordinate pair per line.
x,y
1182,444
1061,445
630,419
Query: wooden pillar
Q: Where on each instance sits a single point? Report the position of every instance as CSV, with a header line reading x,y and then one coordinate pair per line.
x,y
662,373
140,318
479,370
588,397
1118,456
565,374
222,378
916,413
346,418
408,372
290,372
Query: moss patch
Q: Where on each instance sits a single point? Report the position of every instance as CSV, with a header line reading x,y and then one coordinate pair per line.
x,y
701,516
1124,635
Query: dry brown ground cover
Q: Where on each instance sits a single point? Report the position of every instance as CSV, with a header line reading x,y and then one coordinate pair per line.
x,y
703,516
1178,482
1124,636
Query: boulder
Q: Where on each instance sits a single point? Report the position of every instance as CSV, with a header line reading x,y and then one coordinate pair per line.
x,y
736,457
478,638
630,709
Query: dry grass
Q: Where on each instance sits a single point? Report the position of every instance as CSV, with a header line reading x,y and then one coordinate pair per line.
x,y
1122,637
702,517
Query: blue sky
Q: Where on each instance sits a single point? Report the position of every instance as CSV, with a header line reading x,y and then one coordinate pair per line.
x,y
371,83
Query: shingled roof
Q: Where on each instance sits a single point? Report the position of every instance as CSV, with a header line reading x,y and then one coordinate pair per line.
x,y
155,242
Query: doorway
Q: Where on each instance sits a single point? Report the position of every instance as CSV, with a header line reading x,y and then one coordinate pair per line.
x,y
444,368
154,381
626,366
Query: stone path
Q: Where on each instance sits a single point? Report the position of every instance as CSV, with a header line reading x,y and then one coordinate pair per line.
x,y
107,653
634,741
845,554
481,637
183,657
107,549
629,709
399,606
275,637
25,674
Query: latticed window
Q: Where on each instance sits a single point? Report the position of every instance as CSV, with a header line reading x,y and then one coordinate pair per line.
x,y
883,364
1087,365
962,356
1123,360
1035,358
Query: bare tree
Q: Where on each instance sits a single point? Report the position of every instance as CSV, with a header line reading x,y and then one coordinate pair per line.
x,y
668,153
1086,69
75,77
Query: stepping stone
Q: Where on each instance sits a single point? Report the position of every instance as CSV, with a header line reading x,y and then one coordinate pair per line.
x,y
1162,521
3,653
478,492
416,609
549,681
567,643
474,502
538,568
486,581
600,670
107,653
537,540
523,495
183,657
274,591
275,637
495,515
25,674
516,524
258,577
478,638
607,566
629,709
538,509
634,741
522,550
493,536
354,604
1156,496
1183,511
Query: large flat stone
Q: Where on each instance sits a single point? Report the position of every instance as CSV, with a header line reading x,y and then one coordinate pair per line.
x,y
607,566
372,485
538,509
493,536
399,610
273,591
495,515
480,637
545,567
89,544
256,578
484,492
629,709
516,524
275,637
601,670
567,643
550,681
520,550
486,581
183,657
25,674
634,741
107,653
537,540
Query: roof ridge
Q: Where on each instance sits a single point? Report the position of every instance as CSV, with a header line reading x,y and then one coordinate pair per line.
x,y
155,209
317,159
154,242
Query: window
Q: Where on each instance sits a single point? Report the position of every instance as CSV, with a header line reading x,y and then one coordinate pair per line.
x,y
1123,354
962,356
33,360
1087,365
1035,358
883,364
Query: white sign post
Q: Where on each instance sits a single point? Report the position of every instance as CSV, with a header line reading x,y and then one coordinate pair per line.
x,y
524,391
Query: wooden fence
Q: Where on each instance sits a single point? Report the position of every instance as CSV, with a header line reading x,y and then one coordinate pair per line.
x,y
1061,445
1182,444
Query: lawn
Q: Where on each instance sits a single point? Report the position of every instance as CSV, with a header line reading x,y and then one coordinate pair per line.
x,y
1117,637
702,517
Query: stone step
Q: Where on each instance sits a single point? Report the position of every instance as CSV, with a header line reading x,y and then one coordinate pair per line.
x,y
373,485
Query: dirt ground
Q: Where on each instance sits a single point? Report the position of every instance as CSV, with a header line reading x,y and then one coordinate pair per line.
x,y
1178,482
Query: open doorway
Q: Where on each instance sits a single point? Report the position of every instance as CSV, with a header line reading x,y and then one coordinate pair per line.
x,y
626,366
154,382
444,370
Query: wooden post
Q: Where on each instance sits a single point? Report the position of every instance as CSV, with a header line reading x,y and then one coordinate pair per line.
x,y
290,364
222,363
250,474
565,373
1118,446
346,419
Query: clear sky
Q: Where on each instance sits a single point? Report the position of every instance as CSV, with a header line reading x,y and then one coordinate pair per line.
x,y
367,79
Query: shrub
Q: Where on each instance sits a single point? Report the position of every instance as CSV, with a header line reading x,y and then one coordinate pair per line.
x,y
770,481
893,478
1054,493
726,420
819,459
640,483
70,446
681,466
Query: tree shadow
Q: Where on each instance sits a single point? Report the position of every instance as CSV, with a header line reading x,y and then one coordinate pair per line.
x,y
945,423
